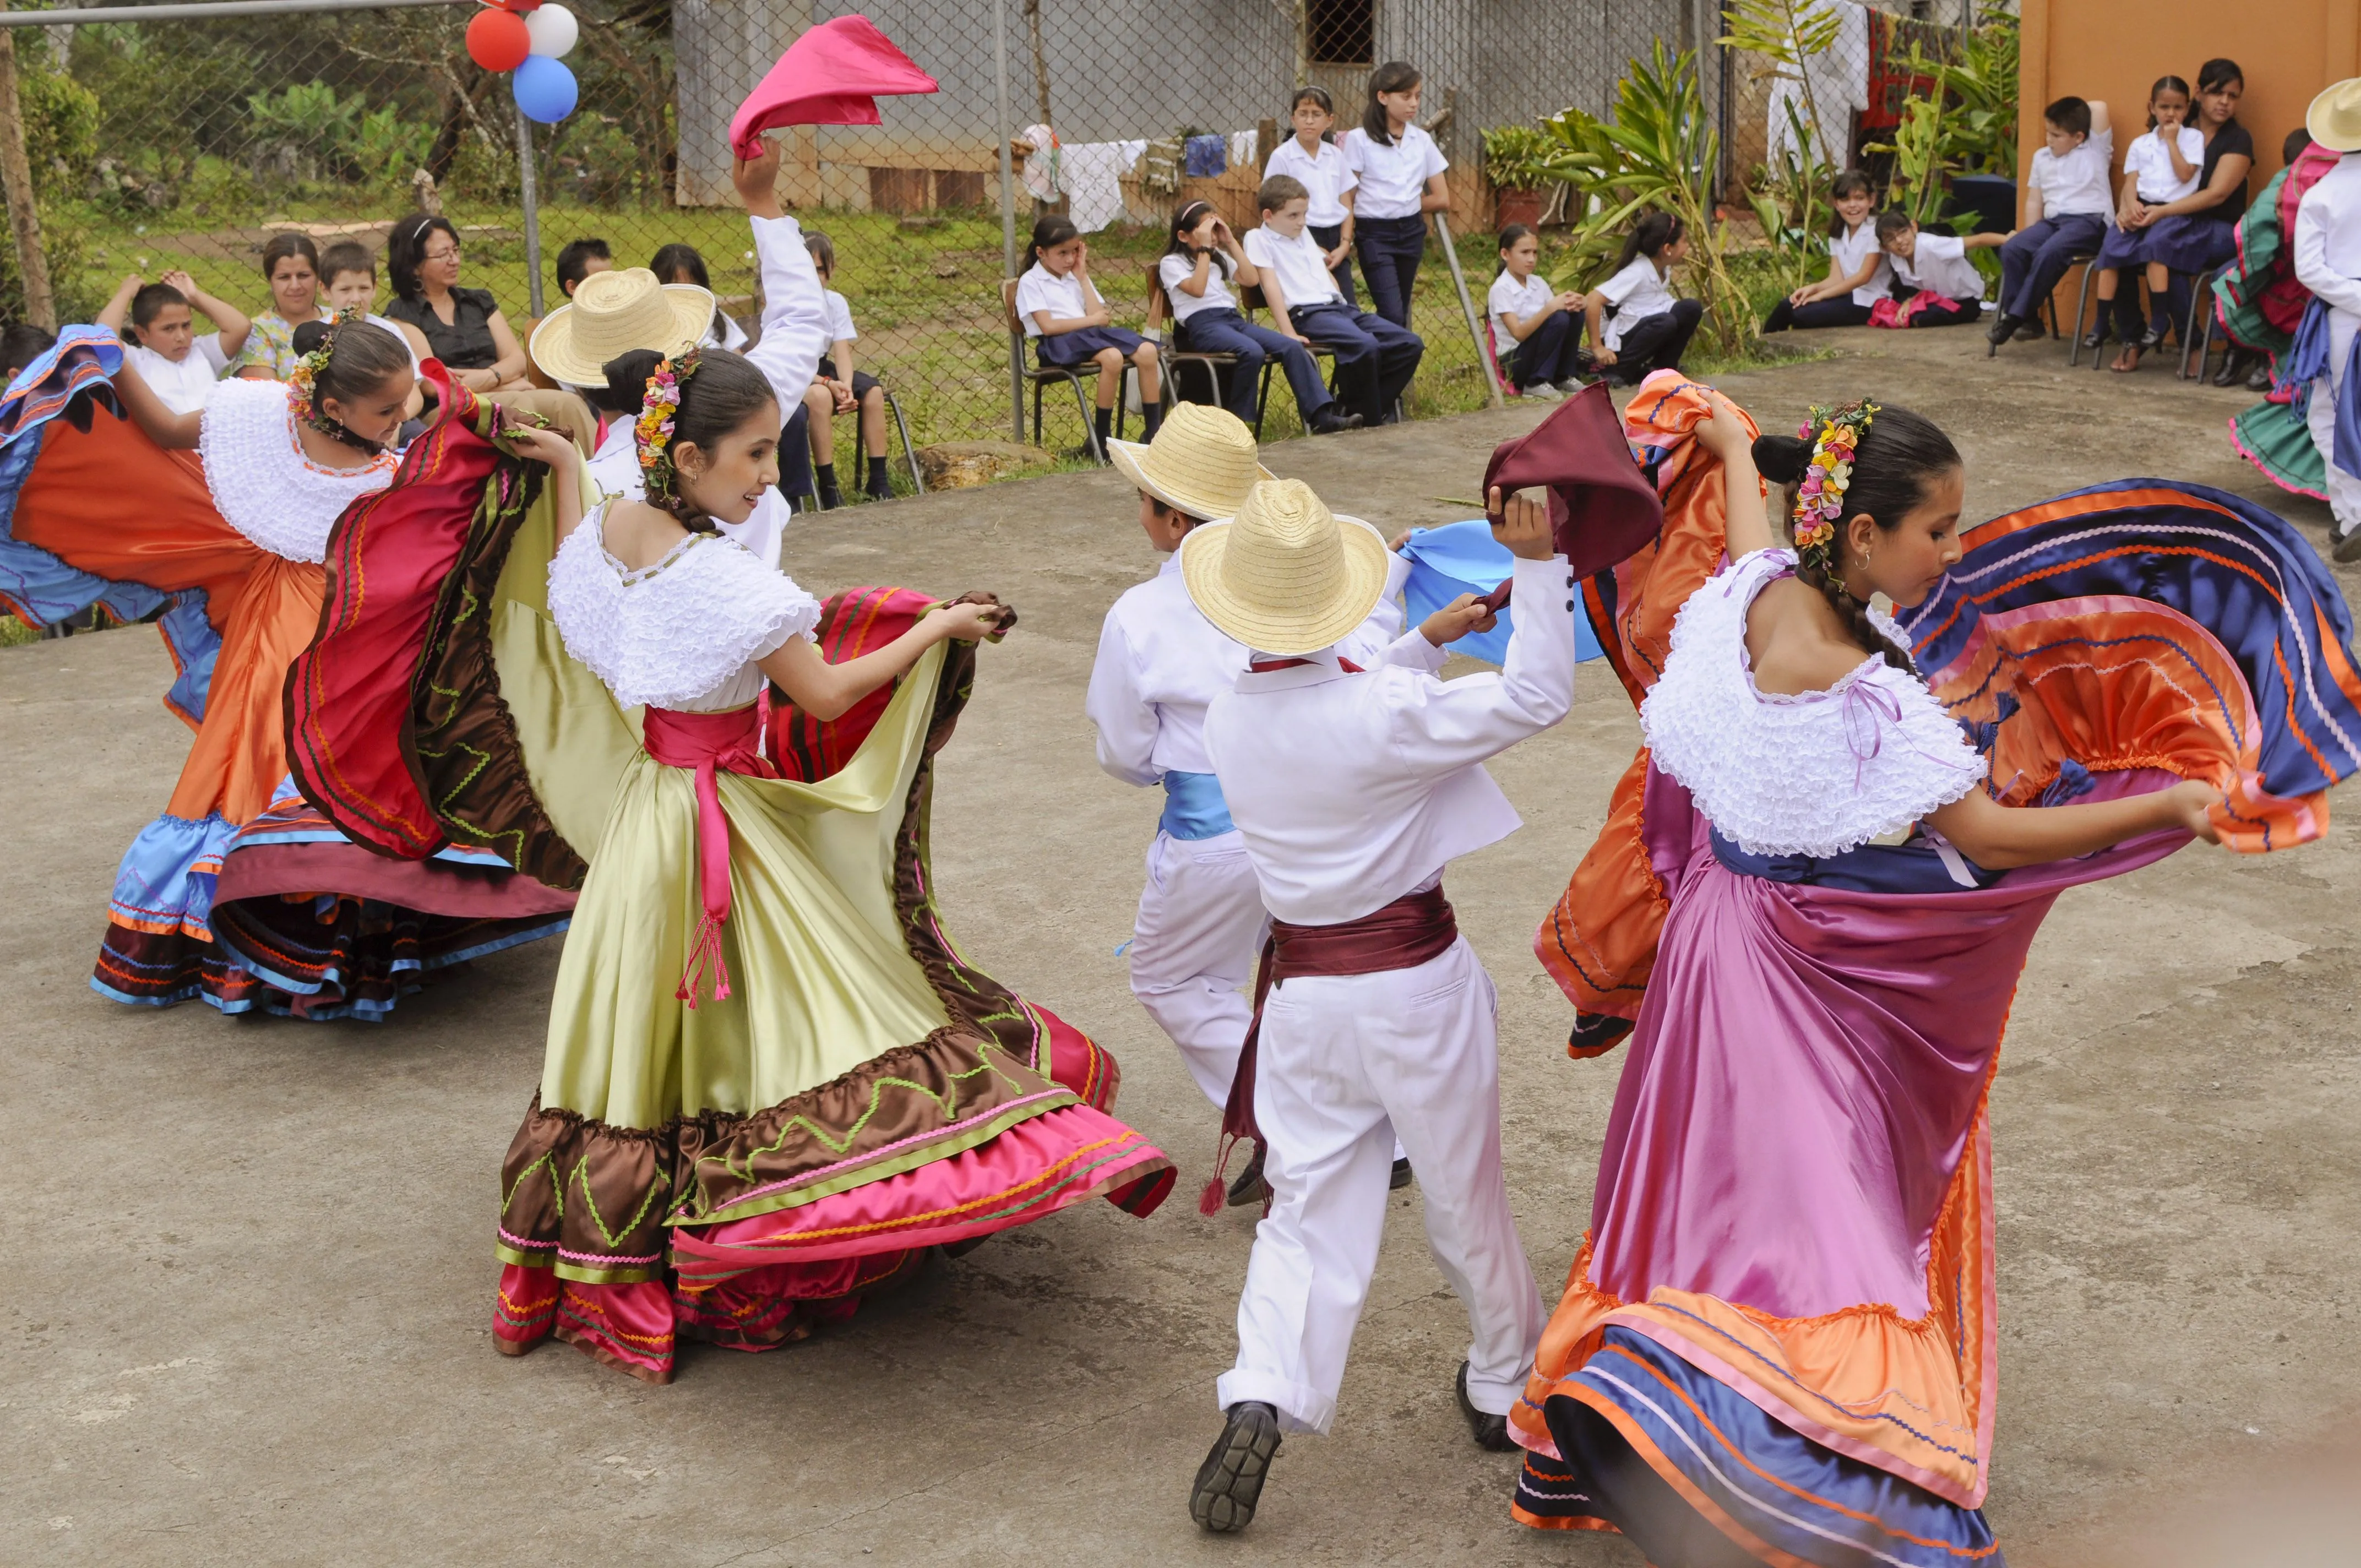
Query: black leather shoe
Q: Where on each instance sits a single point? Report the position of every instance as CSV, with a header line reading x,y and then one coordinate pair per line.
x,y
2032,331
2150,341
1229,1482
2002,329
1491,1432
2345,547
2233,369
1328,420
1250,1187
2258,379
1400,1177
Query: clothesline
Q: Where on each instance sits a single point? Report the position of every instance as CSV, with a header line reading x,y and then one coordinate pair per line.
x,y
1090,175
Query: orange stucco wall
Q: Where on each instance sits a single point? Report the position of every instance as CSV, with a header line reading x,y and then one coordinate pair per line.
x,y
2114,49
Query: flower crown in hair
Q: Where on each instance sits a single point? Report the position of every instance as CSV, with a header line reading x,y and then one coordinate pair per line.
x,y
1835,434
653,435
303,382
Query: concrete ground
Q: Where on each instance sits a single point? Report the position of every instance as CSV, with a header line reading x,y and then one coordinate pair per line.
x,y
248,1286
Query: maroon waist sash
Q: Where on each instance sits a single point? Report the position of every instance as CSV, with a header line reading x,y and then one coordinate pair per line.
x,y
1415,928
709,743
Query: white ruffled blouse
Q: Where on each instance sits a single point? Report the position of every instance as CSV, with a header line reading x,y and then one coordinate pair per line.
x,y
1816,773
262,484
683,633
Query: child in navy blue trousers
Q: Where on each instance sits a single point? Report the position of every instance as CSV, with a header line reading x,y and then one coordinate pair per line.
x,y
1374,358
1070,324
1196,271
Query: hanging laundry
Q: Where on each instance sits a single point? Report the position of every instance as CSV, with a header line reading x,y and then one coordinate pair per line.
x,y
1207,157
1242,147
1041,168
1838,83
1159,169
1092,172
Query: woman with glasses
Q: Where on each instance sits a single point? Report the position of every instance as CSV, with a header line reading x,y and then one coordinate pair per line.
x,y
464,327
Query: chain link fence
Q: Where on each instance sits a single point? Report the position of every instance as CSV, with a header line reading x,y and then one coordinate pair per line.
x,y
162,143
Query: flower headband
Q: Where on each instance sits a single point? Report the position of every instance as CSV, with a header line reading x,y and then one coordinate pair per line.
x,y
653,435
303,384
1835,434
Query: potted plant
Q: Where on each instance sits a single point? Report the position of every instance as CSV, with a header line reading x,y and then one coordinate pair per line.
x,y
1514,161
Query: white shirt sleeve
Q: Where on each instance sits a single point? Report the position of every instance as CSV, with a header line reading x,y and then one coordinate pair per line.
x,y
210,347
1347,177
1626,282
2314,217
1172,270
1258,246
840,319
794,310
1448,725
1939,247
1436,162
1125,720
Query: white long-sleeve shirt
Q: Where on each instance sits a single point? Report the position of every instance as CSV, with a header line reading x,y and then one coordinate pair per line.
x,y
1161,664
1353,790
2328,237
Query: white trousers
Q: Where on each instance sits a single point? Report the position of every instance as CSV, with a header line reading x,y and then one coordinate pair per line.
x,y
1348,1063
2320,414
1192,951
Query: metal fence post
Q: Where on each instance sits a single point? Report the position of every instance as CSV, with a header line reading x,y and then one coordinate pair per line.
x,y
16,179
1468,309
528,191
1007,208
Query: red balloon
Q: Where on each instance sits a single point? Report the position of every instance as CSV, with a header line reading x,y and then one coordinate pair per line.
x,y
497,40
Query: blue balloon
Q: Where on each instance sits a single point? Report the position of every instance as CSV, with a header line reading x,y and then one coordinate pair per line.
x,y
544,88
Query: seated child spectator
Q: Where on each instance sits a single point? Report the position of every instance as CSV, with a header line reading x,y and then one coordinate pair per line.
x,y
1859,274
678,263
1069,323
291,265
165,348
1535,330
1936,285
2160,167
20,345
581,258
1374,358
1651,327
348,274
2066,208
1311,156
1199,262
840,387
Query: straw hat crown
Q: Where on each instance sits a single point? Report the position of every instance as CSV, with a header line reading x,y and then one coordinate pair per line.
x,y
613,312
1286,576
1202,462
2334,117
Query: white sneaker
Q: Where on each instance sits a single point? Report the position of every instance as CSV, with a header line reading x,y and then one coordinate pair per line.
x,y
1542,392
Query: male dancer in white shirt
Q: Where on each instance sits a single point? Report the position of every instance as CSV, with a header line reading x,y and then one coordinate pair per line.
x,y
1159,663
1351,792
2326,250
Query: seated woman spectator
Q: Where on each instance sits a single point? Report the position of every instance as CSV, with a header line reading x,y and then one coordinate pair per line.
x,y
2199,232
464,327
291,265
678,263
1200,263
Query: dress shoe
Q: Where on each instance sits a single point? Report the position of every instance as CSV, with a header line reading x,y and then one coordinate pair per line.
x,y
2346,546
1330,420
1249,1187
1400,1177
2003,328
1229,1482
1491,1432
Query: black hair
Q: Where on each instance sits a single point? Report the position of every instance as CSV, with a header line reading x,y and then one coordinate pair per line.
x,y
1895,463
1391,77
626,386
823,250
281,245
362,357
2165,84
1508,237
1320,96
2292,148
1851,182
347,256
1048,233
725,392
406,249
676,258
1280,190
2217,73
574,261
1649,236
21,345
1892,225
152,298
1190,215
2069,115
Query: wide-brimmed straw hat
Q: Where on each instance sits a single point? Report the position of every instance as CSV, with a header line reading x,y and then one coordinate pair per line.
x,y
613,312
2334,117
1285,575
1201,461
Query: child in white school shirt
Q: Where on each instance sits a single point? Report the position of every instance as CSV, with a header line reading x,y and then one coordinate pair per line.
x,y
1536,333
2066,209
1859,274
1375,359
1352,792
178,364
1061,311
1398,174
1651,326
1312,157
2162,166
1936,285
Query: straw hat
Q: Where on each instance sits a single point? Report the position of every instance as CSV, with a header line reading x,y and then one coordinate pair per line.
x,y
1201,461
613,312
2334,117
1286,576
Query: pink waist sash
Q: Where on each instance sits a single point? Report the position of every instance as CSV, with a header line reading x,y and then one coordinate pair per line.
x,y
709,744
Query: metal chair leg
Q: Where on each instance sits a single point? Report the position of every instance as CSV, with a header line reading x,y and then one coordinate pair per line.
x,y
909,452
1090,427
2082,309
1262,398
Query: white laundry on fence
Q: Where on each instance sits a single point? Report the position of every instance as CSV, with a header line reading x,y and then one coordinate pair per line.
x,y
1837,77
1091,173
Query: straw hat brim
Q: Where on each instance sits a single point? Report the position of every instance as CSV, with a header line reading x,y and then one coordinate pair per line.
x,y
556,350
1174,489
1304,628
2334,117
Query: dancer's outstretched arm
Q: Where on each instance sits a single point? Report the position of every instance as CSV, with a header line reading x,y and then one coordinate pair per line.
x,y
828,691
1998,837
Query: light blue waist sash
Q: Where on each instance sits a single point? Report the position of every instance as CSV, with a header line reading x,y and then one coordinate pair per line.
x,y
1194,806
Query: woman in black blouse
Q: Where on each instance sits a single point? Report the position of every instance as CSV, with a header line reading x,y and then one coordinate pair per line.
x,y
463,326
2199,232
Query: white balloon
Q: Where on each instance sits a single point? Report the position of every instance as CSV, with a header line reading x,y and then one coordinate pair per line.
x,y
552,28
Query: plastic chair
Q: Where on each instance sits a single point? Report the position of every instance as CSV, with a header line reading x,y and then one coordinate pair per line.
x,y
1040,376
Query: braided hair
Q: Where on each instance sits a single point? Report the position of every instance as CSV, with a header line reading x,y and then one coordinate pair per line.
x,y
1900,456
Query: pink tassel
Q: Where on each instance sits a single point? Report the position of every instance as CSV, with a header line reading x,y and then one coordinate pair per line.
x,y
1211,1200
706,951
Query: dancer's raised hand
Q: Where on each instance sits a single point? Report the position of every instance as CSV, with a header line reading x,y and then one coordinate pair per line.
x,y
1520,524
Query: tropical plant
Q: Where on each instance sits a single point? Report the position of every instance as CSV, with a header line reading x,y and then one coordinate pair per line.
x,y
1516,158
297,130
388,146
1980,128
1784,32
1660,151
1790,200
1920,173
